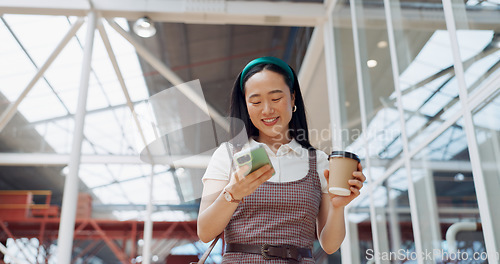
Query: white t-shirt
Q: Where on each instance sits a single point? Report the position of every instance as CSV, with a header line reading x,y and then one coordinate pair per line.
x,y
290,163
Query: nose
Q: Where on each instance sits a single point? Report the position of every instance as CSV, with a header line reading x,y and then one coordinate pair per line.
x,y
268,109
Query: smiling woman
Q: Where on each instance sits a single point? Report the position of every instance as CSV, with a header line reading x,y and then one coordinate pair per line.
x,y
273,212
279,81
270,110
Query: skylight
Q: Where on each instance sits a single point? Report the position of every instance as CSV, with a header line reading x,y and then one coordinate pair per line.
x,y
51,104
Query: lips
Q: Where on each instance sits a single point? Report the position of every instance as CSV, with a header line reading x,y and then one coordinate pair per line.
x,y
270,121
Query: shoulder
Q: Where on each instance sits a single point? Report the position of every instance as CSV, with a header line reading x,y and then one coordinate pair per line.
x,y
224,147
322,165
220,163
321,155
222,154
321,161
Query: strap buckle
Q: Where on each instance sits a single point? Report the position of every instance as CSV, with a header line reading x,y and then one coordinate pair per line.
x,y
284,252
264,250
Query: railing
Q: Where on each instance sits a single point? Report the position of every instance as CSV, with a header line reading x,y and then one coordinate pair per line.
x,y
19,205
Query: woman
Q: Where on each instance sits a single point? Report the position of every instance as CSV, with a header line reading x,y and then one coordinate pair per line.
x,y
272,213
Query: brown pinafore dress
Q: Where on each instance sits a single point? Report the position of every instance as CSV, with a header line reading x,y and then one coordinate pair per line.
x,y
277,214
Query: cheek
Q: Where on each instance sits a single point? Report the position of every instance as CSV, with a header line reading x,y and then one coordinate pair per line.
x,y
252,112
286,106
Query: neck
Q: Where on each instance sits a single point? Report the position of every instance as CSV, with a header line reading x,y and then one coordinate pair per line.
x,y
274,143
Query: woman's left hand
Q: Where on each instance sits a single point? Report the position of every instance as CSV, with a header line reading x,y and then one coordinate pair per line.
x,y
356,185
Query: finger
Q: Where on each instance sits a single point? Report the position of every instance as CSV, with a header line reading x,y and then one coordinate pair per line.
x,y
355,191
327,175
360,168
359,175
255,183
242,172
259,172
266,176
355,183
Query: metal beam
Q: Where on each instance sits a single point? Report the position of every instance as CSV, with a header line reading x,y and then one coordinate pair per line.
x,y
89,112
68,210
106,208
406,210
49,159
245,12
110,242
486,188
85,250
200,161
313,55
444,166
219,12
395,232
419,16
148,222
360,55
57,7
172,77
121,80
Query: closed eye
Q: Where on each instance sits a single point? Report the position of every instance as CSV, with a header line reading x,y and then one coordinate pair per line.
x,y
255,103
277,100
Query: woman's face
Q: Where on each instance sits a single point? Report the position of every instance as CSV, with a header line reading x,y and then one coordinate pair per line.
x,y
269,103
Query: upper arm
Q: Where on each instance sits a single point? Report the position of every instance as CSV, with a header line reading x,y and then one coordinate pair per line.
x,y
219,166
216,176
211,190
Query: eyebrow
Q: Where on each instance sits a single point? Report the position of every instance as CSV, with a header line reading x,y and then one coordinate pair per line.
x,y
271,92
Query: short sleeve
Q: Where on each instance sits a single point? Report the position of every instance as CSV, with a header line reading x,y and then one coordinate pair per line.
x,y
322,165
219,166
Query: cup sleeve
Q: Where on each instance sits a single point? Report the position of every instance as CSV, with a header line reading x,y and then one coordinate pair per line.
x,y
220,164
322,165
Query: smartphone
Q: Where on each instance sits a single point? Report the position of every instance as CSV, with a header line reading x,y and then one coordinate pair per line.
x,y
255,157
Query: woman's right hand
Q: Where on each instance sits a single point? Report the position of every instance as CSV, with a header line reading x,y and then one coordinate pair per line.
x,y
215,212
240,185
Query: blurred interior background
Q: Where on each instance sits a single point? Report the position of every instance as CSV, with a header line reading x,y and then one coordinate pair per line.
x,y
412,86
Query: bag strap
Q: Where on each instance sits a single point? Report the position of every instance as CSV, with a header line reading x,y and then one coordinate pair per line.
x,y
209,249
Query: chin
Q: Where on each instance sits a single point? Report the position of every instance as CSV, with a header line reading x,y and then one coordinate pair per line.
x,y
277,136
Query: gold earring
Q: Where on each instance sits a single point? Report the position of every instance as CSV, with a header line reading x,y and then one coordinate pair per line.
x,y
294,108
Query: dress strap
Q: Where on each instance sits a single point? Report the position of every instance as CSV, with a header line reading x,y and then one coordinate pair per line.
x,y
312,159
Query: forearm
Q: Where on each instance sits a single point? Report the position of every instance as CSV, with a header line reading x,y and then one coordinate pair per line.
x,y
214,219
333,232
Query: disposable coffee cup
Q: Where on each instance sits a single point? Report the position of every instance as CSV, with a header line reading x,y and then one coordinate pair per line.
x,y
342,165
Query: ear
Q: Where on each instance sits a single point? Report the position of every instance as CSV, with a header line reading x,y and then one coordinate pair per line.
x,y
293,98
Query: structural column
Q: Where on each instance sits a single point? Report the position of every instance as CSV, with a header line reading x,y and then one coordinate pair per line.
x,y
350,246
148,223
68,212
393,220
383,239
427,202
364,105
412,196
485,183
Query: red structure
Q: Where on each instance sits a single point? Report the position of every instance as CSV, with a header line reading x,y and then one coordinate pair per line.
x,y
20,218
